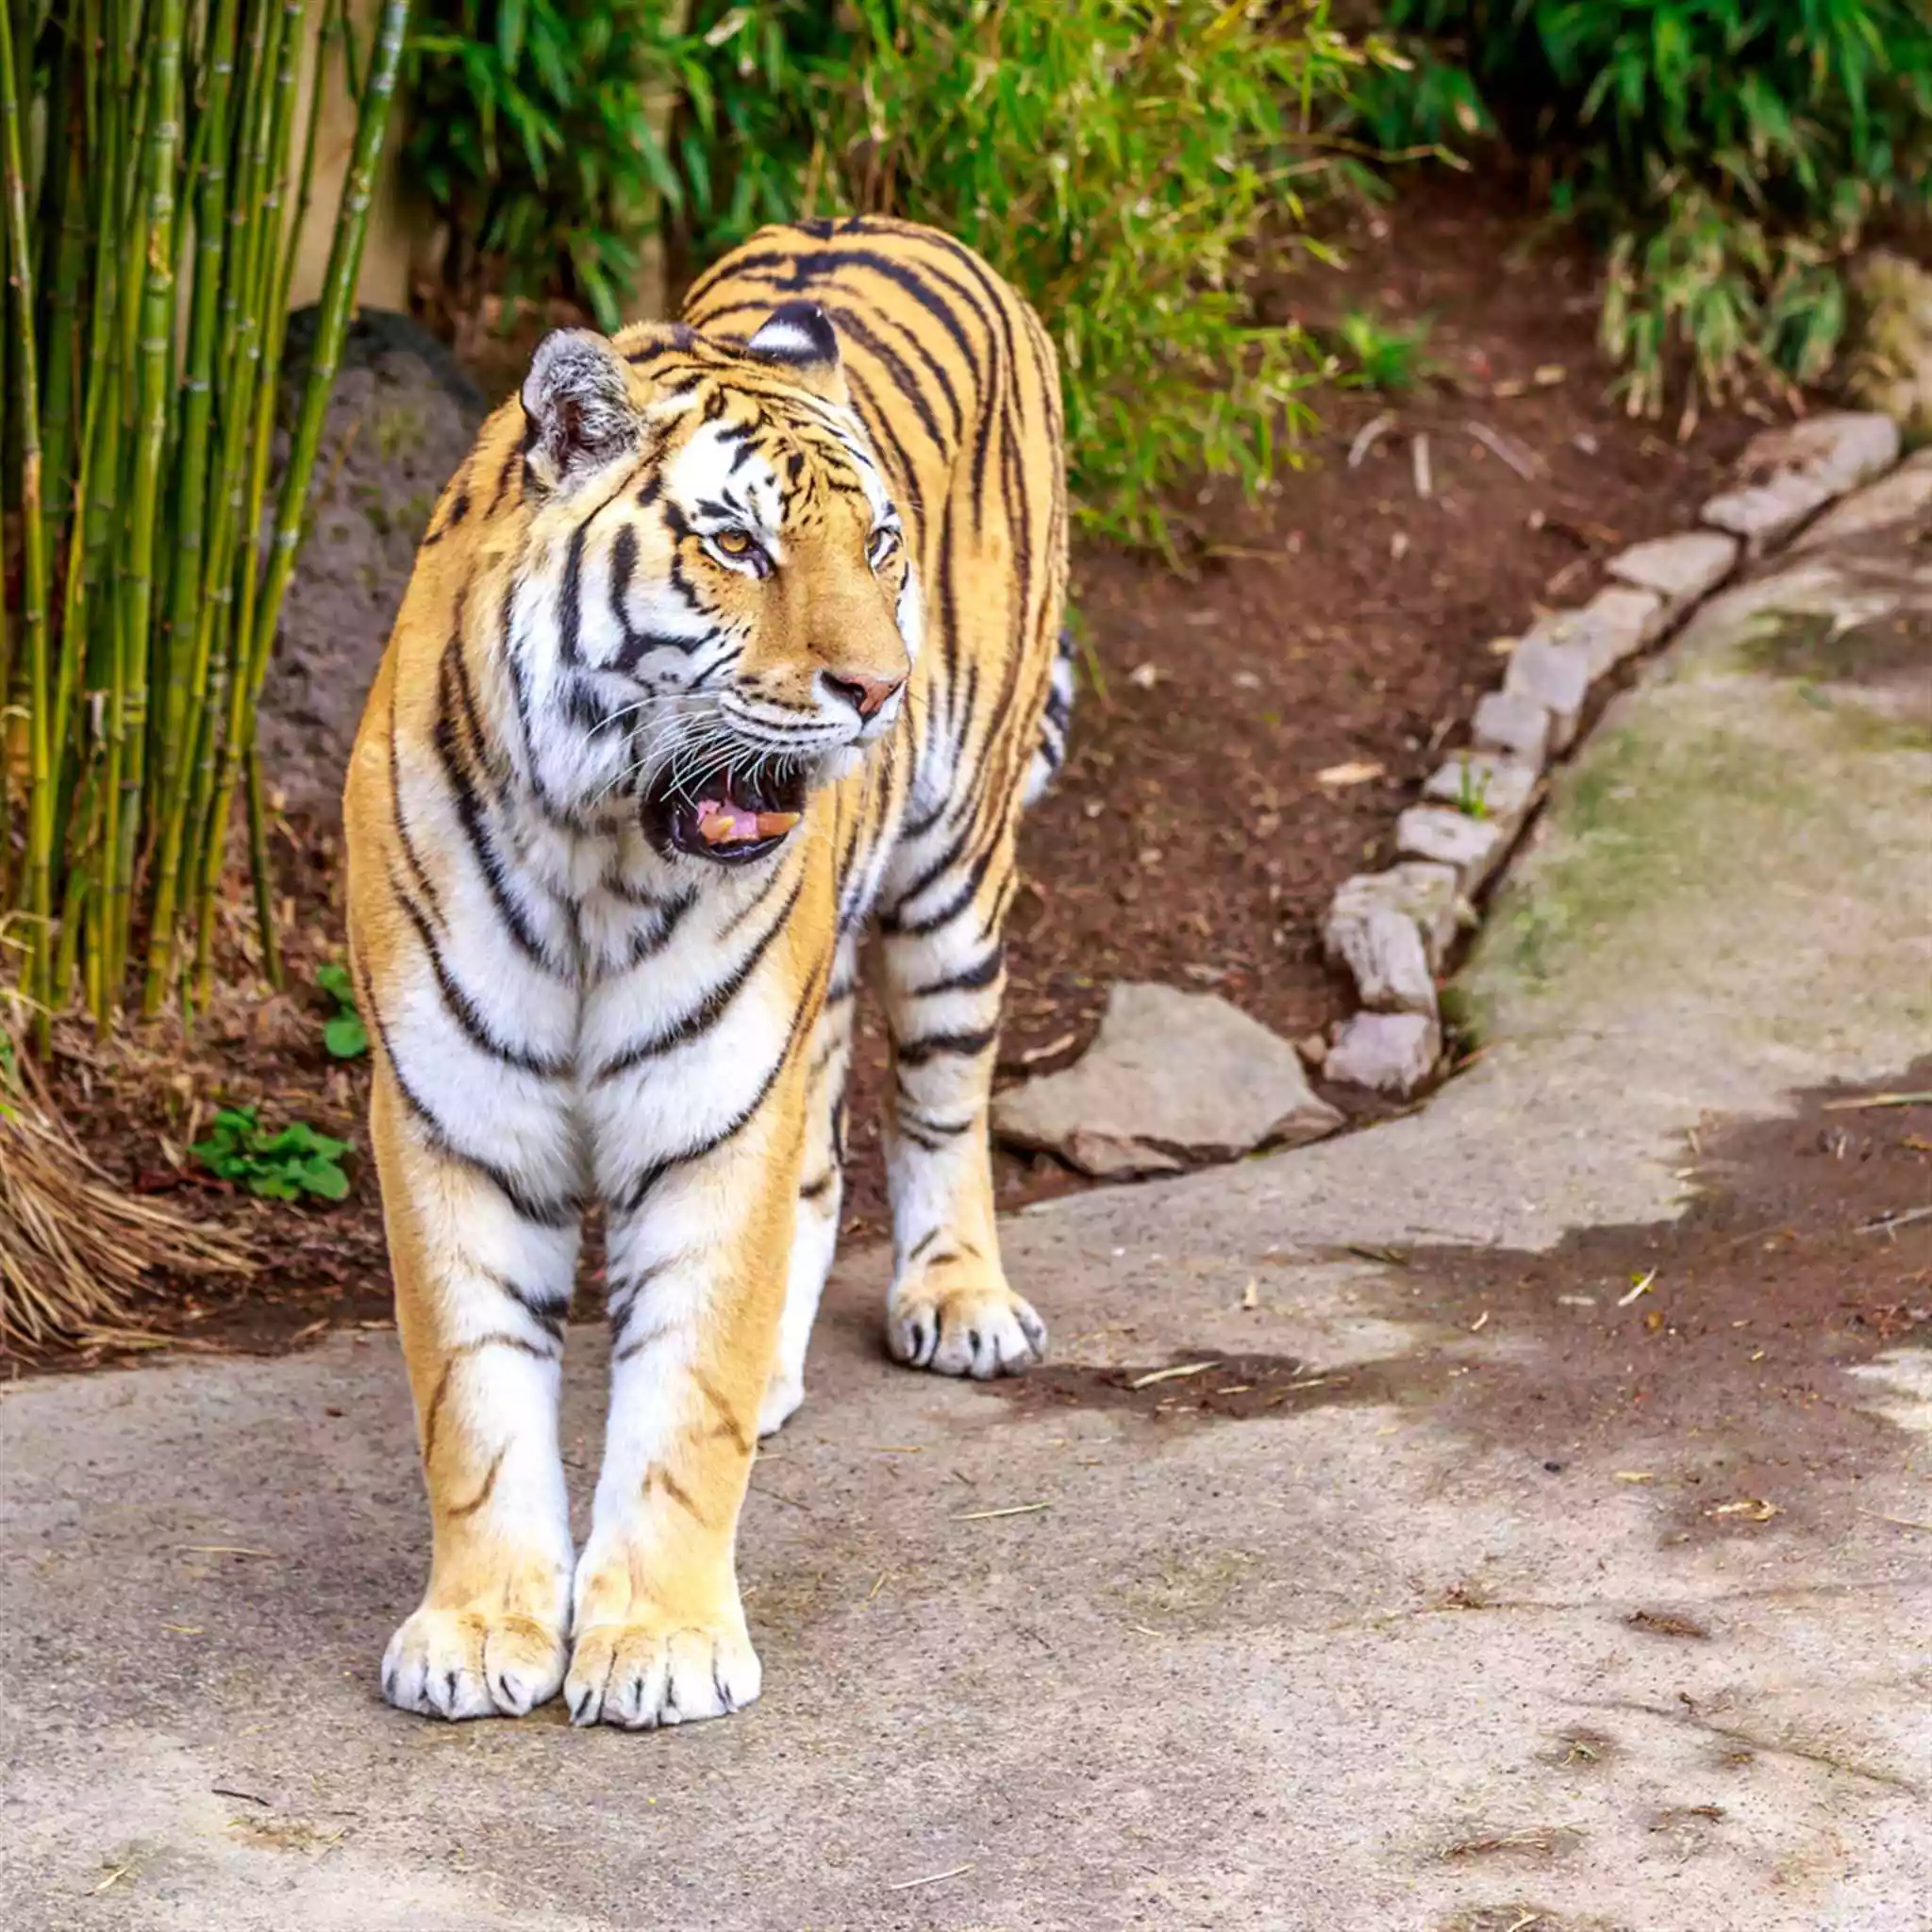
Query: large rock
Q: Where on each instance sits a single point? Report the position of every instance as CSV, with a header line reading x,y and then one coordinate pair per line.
x,y
401,419
1171,1077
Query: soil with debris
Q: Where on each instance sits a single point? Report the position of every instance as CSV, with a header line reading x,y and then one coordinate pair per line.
x,y
1708,1355
1250,729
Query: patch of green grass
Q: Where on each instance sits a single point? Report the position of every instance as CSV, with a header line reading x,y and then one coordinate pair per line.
x,y
282,1164
1389,357
1473,792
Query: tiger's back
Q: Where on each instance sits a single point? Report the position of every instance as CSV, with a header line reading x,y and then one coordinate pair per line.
x,y
732,639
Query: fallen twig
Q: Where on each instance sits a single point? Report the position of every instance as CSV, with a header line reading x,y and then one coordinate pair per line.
x,y
1886,1223
1174,1374
1368,436
1508,451
930,1878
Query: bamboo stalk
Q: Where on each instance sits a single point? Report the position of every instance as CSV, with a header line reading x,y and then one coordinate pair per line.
x,y
190,638
262,871
254,383
156,348
118,648
7,895
33,532
230,529
69,251
338,300
264,431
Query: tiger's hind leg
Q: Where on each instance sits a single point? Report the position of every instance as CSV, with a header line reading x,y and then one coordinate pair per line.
x,y
821,1193
951,1308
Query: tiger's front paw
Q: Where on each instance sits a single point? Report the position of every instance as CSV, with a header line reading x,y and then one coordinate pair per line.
x,y
959,1323
472,1664
641,1676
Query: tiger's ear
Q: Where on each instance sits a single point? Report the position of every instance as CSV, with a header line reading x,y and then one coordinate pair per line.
x,y
578,408
799,340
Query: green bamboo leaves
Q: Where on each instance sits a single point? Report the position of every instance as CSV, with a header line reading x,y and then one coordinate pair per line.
x,y
146,143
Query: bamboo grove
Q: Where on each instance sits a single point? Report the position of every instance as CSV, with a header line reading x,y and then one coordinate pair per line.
x,y
154,503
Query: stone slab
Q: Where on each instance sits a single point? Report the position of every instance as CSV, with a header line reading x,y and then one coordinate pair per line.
x,y
1619,622
1682,570
1483,784
1513,724
1473,848
1384,954
1554,674
1171,1078
1762,515
1894,501
1428,893
1387,1053
1841,449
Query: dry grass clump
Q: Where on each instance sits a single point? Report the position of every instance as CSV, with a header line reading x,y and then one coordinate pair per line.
x,y
75,1247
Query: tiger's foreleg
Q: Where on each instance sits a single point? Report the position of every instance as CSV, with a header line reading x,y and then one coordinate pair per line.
x,y
698,1255
951,1308
482,1286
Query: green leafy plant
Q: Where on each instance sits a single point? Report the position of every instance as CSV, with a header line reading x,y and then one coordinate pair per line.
x,y
539,129
1117,160
1730,154
343,1033
282,1164
1391,357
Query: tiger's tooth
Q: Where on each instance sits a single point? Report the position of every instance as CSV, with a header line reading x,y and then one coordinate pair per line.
x,y
771,823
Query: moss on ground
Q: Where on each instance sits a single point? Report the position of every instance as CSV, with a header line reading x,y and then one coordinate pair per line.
x,y
1799,782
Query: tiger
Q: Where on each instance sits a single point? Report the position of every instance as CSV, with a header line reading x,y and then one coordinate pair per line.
x,y
734,642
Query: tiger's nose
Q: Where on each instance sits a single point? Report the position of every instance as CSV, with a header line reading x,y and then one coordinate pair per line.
x,y
867,696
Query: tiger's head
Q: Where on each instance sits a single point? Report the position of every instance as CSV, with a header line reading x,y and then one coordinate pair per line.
x,y
719,609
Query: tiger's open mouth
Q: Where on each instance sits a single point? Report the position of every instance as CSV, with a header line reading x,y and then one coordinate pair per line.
x,y
731,816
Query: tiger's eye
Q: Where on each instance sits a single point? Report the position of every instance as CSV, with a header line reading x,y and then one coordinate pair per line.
x,y
733,543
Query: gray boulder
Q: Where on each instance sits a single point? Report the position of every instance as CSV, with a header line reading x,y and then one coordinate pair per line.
x,y
402,418
1171,1077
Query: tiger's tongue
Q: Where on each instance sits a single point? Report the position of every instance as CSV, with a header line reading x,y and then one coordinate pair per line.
x,y
726,823
722,822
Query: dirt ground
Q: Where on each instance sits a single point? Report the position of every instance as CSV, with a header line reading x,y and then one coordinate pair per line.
x,y
1345,624
1806,1253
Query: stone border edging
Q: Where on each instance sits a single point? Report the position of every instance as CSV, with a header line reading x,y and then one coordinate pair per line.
x,y
1393,930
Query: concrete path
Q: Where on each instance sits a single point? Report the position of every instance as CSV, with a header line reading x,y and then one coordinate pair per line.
x,y
1364,1659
